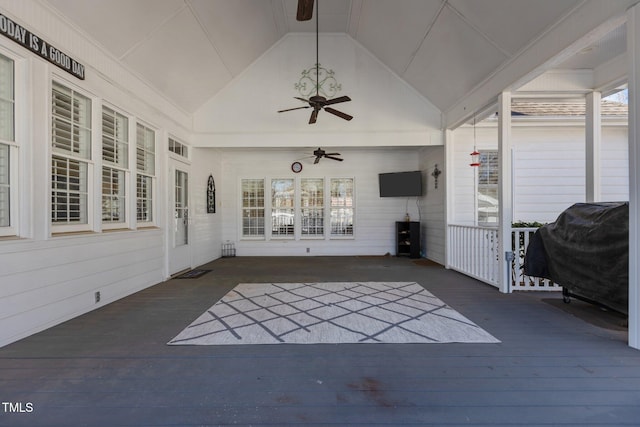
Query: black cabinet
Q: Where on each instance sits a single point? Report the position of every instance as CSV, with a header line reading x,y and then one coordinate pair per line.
x,y
408,239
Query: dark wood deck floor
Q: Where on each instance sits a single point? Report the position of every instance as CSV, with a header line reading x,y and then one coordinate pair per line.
x,y
112,367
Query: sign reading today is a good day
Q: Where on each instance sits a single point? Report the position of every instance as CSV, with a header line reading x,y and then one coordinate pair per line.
x,y
27,39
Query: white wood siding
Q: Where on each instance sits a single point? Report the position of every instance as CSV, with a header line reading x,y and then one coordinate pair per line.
x,y
548,168
47,282
432,205
374,216
206,228
45,279
548,171
486,138
615,164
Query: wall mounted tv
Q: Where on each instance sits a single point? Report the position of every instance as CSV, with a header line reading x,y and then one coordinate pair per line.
x,y
400,184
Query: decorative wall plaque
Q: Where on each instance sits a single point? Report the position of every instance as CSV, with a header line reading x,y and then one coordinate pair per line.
x,y
211,195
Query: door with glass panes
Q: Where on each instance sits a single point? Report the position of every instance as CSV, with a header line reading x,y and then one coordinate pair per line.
x,y
180,249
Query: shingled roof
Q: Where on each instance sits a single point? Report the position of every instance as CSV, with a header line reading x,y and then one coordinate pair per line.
x,y
565,109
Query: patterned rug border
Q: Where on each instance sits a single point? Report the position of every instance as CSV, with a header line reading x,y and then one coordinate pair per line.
x,y
330,313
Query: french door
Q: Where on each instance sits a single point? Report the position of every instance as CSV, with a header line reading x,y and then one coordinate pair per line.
x,y
180,247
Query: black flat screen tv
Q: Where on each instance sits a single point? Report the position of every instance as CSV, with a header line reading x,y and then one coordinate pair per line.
x,y
400,184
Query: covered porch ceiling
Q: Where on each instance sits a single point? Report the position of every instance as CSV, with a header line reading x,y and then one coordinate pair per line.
x,y
458,54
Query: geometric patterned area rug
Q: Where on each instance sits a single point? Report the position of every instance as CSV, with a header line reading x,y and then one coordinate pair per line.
x,y
331,313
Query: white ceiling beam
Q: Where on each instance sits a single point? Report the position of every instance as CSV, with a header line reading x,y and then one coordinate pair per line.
x,y
610,74
565,81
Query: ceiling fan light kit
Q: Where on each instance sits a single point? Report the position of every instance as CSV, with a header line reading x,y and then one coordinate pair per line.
x,y
317,102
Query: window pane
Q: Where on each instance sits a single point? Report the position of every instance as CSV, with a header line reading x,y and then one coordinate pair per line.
x,y
341,206
488,188
69,194
5,201
282,207
253,207
144,198
71,122
312,206
7,99
145,162
115,138
113,195
145,149
488,169
178,148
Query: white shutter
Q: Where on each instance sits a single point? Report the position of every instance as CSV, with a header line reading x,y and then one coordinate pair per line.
x,y
5,189
7,99
71,123
115,138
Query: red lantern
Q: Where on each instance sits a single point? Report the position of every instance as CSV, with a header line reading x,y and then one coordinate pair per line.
x,y
475,158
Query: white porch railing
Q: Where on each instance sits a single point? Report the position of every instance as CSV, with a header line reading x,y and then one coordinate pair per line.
x,y
474,251
519,282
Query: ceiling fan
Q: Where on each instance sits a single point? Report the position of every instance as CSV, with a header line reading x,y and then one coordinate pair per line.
x,y
320,153
317,102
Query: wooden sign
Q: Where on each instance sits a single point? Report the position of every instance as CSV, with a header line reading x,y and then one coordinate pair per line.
x,y
35,44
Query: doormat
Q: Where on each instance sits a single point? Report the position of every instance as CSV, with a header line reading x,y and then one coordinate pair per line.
x,y
192,274
330,313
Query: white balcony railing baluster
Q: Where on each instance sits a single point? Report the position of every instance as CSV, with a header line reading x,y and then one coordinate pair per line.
x,y
474,251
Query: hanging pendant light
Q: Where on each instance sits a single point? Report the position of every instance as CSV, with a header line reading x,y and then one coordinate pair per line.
x,y
475,155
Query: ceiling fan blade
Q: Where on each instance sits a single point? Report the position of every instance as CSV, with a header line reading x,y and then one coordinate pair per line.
x,y
305,10
301,99
338,113
316,160
337,100
314,116
291,109
333,158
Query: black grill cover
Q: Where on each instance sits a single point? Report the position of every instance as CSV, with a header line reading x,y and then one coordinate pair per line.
x,y
586,250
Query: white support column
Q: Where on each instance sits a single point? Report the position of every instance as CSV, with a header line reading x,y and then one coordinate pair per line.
x,y
593,134
633,54
505,206
449,192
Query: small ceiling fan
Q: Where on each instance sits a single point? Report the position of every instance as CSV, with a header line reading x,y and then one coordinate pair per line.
x,y
317,102
320,153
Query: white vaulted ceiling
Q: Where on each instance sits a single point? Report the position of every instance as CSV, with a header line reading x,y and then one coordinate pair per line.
x,y
190,49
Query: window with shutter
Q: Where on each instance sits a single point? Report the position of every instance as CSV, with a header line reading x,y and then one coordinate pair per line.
x,y
115,161
71,144
312,207
253,207
7,144
145,167
342,206
282,208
